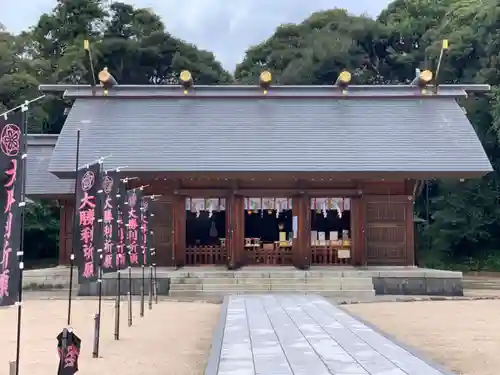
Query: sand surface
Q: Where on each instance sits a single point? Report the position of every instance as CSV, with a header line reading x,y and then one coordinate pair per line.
x,y
173,338
464,336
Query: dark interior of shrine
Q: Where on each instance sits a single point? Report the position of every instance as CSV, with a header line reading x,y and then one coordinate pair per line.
x,y
204,230
264,224
332,222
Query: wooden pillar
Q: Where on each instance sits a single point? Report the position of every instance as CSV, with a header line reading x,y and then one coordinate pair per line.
x,y
358,231
410,233
162,226
301,246
235,228
179,231
66,212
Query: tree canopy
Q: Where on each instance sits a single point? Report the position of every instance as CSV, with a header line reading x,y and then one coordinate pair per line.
x,y
133,43
464,217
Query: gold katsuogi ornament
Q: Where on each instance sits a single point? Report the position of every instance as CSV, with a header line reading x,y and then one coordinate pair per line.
x,y
186,80
265,80
107,80
423,79
343,81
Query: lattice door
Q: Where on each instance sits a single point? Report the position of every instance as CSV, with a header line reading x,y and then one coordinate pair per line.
x,y
386,232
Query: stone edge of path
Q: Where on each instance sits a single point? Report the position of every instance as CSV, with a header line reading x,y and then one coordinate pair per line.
x,y
412,351
413,299
212,367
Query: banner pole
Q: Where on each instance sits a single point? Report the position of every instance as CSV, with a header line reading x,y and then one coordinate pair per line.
x,y
130,296
72,255
117,306
20,253
155,282
99,309
142,292
150,295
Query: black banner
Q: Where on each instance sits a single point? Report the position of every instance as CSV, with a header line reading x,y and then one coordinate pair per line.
x,y
133,228
145,232
109,203
122,214
12,164
87,234
68,353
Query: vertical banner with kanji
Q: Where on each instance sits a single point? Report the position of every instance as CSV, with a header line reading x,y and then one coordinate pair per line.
x,y
133,228
145,232
109,198
11,164
122,215
69,352
87,234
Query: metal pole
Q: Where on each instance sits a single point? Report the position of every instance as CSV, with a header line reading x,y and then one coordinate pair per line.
x,y
150,294
156,283
21,106
95,350
100,160
117,307
22,204
99,310
130,296
142,292
72,255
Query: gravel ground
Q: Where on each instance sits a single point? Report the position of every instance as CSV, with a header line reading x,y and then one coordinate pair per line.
x,y
464,336
172,339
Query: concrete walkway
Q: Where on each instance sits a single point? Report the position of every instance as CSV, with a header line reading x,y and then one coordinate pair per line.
x,y
303,335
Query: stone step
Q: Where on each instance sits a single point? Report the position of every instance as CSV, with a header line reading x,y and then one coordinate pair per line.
x,y
274,281
266,287
355,295
268,274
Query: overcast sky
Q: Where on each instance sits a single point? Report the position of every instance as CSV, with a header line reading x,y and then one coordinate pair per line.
x,y
225,27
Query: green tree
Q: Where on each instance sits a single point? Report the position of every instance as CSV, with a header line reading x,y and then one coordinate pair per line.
x,y
465,219
318,49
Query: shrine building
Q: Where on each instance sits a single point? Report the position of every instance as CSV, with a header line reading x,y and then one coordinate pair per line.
x,y
266,175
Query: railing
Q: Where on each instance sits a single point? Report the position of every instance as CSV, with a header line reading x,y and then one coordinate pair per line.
x,y
328,255
276,253
205,255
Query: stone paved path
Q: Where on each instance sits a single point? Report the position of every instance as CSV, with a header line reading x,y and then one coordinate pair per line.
x,y
306,335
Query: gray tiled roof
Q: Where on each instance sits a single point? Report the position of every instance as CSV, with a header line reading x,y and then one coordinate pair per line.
x,y
214,134
39,180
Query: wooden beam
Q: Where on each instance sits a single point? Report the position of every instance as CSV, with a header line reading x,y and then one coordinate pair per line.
x,y
201,193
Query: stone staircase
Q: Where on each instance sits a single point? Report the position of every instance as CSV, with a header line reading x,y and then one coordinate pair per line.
x,y
334,284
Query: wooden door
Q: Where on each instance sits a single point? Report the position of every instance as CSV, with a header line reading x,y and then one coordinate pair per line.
x,y
389,237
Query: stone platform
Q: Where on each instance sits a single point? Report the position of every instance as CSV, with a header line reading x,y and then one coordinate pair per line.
x,y
337,282
304,335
